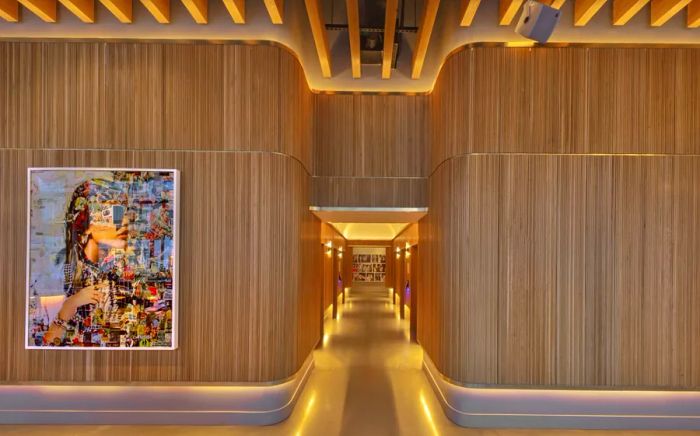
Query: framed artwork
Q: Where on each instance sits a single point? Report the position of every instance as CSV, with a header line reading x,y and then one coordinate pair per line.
x,y
102,259
369,267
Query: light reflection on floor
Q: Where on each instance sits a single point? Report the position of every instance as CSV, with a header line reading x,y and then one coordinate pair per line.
x,y
367,381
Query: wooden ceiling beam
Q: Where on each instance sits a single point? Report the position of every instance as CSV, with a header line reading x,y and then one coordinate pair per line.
x,y
83,9
425,30
624,10
44,9
584,10
694,14
556,4
236,8
469,8
275,8
354,35
664,10
198,9
122,9
318,29
9,10
507,10
160,9
392,8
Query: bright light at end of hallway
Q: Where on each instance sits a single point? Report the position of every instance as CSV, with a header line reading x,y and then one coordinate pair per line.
x,y
428,414
307,412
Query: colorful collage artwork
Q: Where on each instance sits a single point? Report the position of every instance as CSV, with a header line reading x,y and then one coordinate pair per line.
x,y
368,267
102,259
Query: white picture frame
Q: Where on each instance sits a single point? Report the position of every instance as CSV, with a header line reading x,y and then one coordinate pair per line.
x,y
175,261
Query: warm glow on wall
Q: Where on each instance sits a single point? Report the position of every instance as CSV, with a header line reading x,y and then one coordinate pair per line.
x,y
520,44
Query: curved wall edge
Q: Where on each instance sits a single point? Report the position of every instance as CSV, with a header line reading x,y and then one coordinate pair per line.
x,y
246,404
562,408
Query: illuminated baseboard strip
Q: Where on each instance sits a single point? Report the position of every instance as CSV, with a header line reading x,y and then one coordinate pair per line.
x,y
564,408
224,404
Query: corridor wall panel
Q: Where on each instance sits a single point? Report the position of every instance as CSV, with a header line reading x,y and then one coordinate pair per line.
x,y
566,100
563,226
370,191
236,120
207,97
563,270
371,150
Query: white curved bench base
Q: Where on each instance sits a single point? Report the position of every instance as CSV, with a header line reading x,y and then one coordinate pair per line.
x,y
249,404
564,408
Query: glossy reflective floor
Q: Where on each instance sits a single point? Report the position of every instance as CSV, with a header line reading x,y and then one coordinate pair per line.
x,y
367,381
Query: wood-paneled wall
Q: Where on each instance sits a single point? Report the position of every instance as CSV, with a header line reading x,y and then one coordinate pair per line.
x,y
237,120
560,243
370,191
371,151
566,100
330,234
152,96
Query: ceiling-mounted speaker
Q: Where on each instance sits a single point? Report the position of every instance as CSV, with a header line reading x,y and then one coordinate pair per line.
x,y
537,21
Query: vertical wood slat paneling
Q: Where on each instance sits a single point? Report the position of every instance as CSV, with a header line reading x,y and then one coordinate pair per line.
x,y
329,234
566,100
240,296
248,313
369,192
592,283
371,136
155,95
595,283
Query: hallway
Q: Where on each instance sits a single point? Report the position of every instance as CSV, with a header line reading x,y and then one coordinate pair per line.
x,y
367,381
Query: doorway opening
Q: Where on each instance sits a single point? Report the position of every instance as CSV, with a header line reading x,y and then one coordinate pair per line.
x,y
371,250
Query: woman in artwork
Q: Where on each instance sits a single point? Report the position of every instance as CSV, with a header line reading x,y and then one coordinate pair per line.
x,y
110,297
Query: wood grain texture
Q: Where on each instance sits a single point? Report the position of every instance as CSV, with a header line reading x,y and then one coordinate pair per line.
x,y
160,9
584,10
566,100
371,135
329,234
154,96
377,143
574,270
354,36
664,10
246,310
44,9
392,7
468,11
562,209
250,288
318,29
123,9
83,9
369,192
624,10
425,31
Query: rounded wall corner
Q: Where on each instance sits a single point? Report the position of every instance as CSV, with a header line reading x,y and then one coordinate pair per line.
x,y
177,404
495,407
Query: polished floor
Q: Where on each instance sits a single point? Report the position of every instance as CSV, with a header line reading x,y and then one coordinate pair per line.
x,y
367,381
